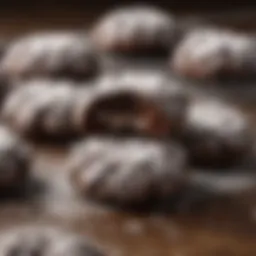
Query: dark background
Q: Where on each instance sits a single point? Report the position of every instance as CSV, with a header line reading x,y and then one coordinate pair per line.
x,y
181,4
17,17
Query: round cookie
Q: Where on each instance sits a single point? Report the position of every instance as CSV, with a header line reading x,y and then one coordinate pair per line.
x,y
211,53
52,54
141,103
48,109
127,172
216,133
135,30
44,241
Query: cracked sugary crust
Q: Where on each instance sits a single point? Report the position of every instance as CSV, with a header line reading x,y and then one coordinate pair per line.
x,y
159,104
48,109
52,54
44,241
210,53
216,133
135,29
134,103
14,160
51,109
127,171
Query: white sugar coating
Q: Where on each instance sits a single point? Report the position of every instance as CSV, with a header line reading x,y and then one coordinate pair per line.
x,y
166,98
23,103
133,79
41,92
139,23
42,53
211,50
12,235
216,133
53,107
149,19
10,142
217,116
7,138
46,240
127,170
36,46
146,83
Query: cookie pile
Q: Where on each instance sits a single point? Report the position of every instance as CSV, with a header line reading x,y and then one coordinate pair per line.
x,y
136,133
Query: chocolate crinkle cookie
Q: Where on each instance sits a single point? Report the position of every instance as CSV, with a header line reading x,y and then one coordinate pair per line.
x,y
52,54
216,133
135,30
141,103
211,53
44,241
127,172
15,160
47,109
